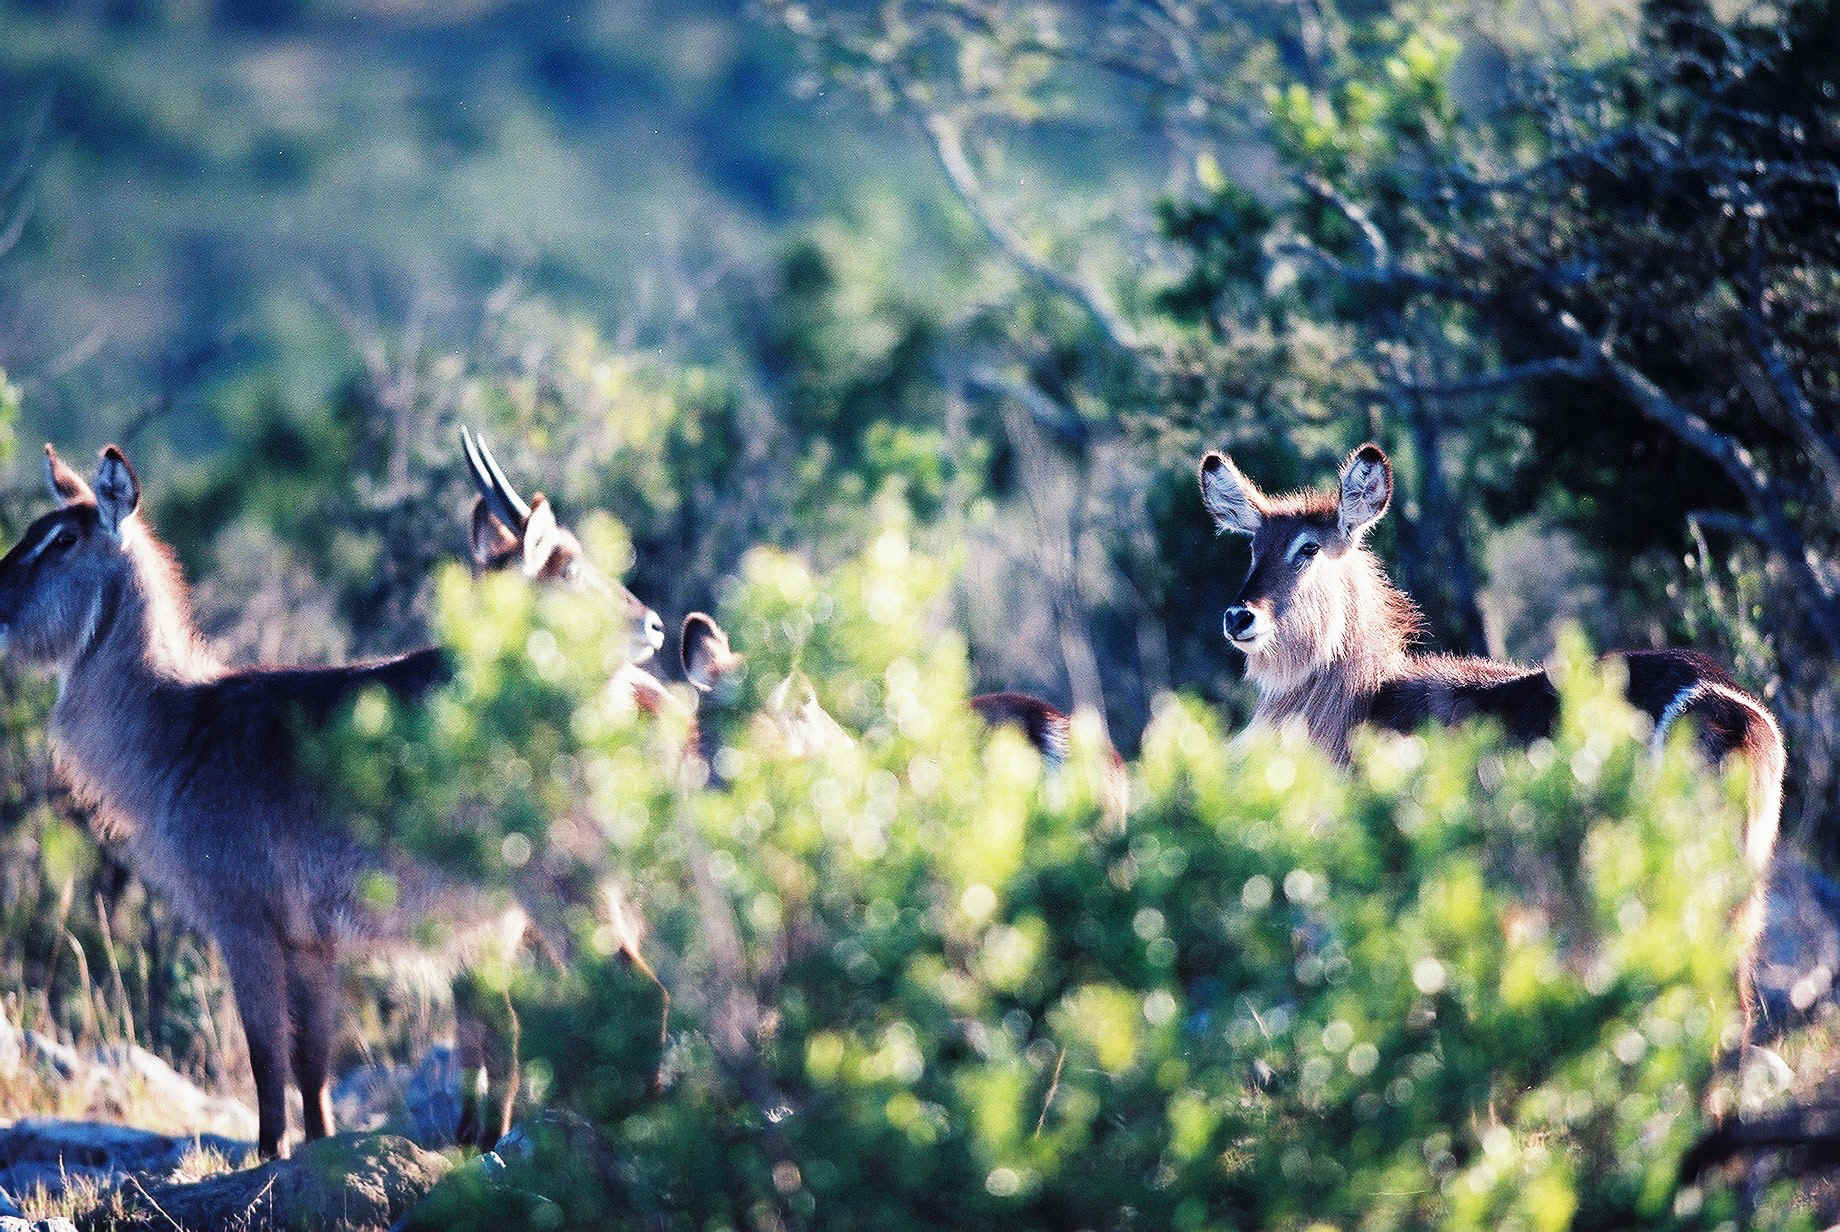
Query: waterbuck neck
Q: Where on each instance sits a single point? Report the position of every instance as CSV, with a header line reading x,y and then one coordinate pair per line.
x,y
137,641
1368,628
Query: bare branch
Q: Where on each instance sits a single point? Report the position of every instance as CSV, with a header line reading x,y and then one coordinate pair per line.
x,y
1729,523
1391,277
71,357
1372,238
15,225
1051,415
1516,374
1802,417
1744,471
949,146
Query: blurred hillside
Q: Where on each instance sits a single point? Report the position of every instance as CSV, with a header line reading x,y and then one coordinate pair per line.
x,y
204,174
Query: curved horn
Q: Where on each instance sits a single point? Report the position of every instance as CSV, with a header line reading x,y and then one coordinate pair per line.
x,y
501,498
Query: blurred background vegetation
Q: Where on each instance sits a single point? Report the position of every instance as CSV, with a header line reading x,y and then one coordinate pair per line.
x,y
766,277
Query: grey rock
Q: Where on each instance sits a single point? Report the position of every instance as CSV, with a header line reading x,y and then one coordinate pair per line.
x,y
14,1223
1798,953
59,1224
346,1183
47,1154
421,1103
129,1077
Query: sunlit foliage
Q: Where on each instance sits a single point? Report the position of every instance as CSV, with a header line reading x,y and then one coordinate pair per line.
x,y
914,984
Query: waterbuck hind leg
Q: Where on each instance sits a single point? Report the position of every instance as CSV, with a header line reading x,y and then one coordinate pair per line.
x,y
486,1031
313,1005
258,977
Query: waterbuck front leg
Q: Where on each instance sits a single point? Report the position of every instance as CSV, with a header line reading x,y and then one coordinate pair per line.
x,y
313,1005
258,977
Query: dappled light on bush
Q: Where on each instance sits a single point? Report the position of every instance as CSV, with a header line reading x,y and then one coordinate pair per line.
x,y
913,983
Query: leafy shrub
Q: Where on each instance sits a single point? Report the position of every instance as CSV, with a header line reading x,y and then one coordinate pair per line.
x,y
915,984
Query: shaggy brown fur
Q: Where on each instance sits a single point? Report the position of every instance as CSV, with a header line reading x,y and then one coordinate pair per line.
x,y
1328,641
197,770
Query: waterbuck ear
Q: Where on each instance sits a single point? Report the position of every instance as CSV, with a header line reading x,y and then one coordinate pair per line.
x,y
1234,500
541,536
65,484
703,650
1367,490
118,492
491,541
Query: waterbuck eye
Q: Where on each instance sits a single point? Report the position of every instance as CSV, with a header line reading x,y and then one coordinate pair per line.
x,y
1307,551
66,539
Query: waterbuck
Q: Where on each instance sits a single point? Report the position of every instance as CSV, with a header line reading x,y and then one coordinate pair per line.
x,y
508,531
198,769
1328,642
797,723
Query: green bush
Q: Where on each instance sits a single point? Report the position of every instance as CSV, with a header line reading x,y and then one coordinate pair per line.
x,y
916,984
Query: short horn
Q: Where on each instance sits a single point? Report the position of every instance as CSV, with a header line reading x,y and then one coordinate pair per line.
x,y
499,495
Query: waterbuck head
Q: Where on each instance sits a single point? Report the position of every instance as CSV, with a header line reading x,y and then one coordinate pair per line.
x,y
509,532
1313,588
56,581
791,720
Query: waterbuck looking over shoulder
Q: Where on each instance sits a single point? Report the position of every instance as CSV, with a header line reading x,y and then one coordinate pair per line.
x,y
1328,641
197,769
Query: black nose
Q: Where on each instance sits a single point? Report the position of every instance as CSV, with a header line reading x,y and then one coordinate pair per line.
x,y
1237,622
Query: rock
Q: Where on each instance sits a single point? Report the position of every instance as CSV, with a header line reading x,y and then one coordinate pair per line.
x,y
14,1223
346,1183
44,1153
59,1224
1798,954
133,1084
422,1104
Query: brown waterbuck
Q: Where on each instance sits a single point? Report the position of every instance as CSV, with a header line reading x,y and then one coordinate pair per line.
x,y
198,769
798,724
508,531
1329,643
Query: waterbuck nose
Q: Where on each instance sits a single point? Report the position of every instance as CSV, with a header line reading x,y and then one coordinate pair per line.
x,y
654,629
1237,623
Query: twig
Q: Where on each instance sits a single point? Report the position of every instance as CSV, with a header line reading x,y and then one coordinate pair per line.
x,y
121,991
161,1211
1054,1085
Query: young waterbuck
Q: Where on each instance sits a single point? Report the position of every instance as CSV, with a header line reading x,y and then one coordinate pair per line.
x,y
797,723
1328,641
197,768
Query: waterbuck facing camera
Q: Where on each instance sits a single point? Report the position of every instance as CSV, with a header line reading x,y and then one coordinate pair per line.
x,y
1328,641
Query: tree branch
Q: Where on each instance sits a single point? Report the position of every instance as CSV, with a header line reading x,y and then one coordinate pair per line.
x,y
1743,470
1388,276
949,147
1515,374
